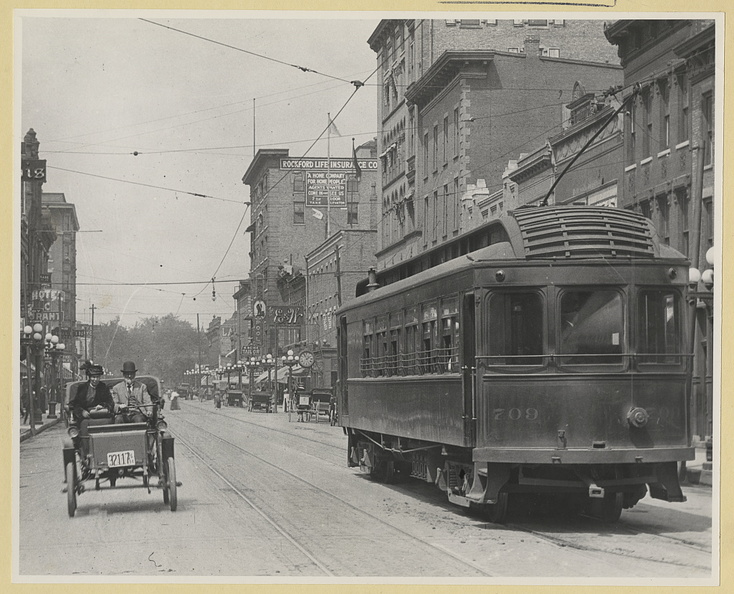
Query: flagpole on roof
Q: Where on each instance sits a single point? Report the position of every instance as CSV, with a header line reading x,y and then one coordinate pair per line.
x,y
328,176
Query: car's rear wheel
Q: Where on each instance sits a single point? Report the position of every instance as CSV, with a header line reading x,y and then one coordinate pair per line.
x,y
70,489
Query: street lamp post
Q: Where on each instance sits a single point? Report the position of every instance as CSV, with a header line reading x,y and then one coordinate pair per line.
x,y
290,360
268,362
704,299
54,349
33,340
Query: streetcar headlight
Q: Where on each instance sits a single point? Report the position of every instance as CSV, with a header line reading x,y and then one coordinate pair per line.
x,y
638,417
500,276
162,425
73,432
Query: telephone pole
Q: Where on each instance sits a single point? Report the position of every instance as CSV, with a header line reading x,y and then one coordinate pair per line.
x,y
91,339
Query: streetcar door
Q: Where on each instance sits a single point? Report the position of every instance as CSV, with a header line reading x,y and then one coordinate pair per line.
x,y
468,364
342,386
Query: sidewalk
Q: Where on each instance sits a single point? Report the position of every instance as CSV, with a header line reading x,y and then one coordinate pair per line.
x,y
699,471
25,429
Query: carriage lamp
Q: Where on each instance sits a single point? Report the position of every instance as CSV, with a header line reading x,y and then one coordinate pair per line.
x,y
638,417
161,425
73,431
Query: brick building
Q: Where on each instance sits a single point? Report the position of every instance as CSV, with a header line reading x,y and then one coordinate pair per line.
x,y
333,270
62,266
593,179
457,97
290,216
668,169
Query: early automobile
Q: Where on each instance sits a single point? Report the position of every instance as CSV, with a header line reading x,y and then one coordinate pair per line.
x,y
260,401
235,398
138,452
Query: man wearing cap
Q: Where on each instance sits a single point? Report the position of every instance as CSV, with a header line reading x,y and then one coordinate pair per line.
x,y
130,394
91,397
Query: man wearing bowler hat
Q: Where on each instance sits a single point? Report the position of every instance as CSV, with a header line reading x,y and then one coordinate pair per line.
x,y
129,395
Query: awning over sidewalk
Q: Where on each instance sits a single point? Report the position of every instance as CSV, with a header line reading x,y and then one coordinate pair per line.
x,y
282,375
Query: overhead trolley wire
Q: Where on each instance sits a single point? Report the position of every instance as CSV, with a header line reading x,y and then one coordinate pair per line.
x,y
239,49
127,181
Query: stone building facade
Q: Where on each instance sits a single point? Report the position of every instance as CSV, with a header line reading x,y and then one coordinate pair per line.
x,y
456,98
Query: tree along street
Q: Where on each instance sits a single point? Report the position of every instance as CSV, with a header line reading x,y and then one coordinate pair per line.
x,y
263,496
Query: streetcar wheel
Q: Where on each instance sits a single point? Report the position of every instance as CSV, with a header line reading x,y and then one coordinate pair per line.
x,y
70,489
172,487
383,471
496,512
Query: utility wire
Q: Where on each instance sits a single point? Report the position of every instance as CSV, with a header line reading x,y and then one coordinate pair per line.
x,y
239,49
127,181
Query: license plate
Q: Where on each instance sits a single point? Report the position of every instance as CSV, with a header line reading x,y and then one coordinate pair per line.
x,y
126,458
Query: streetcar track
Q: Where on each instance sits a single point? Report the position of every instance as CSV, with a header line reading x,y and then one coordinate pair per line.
x,y
304,437
262,514
441,549
570,544
552,539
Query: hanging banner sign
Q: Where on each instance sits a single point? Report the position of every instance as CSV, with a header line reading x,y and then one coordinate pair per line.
x,y
323,186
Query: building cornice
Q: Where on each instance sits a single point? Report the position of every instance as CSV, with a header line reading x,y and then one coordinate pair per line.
x,y
261,158
443,70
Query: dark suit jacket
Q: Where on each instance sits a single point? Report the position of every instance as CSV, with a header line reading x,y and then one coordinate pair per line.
x,y
102,397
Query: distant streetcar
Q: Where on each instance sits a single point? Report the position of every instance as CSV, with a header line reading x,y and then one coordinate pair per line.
x,y
542,353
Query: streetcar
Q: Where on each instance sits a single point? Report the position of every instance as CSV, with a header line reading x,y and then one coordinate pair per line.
x,y
540,355
136,452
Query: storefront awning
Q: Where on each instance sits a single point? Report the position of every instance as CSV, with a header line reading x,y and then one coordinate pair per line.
x,y
282,375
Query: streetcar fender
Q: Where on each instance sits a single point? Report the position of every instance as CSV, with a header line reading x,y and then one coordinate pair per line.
x,y
487,482
667,486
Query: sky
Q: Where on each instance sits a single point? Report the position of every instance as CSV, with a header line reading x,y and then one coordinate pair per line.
x,y
177,88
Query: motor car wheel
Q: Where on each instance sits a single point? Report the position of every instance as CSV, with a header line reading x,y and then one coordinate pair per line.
x,y
172,487
70,489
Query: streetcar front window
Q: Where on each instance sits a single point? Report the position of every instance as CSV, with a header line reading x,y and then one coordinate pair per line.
x,y
591,327
515,329
659,328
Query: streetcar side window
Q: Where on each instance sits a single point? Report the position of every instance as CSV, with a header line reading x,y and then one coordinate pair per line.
x,y
409,365
380,367
366,362
591,327
426,354
515,329
659,328
394,351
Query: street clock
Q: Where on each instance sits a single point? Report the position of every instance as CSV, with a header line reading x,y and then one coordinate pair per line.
x,y
305,359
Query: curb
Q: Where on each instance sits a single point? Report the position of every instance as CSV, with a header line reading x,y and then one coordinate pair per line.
x,y
26,433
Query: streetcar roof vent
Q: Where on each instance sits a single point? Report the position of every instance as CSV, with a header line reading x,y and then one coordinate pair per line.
x,y
584,232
